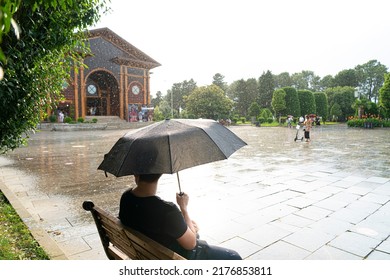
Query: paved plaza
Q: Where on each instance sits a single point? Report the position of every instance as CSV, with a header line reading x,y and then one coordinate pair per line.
x,y
274,199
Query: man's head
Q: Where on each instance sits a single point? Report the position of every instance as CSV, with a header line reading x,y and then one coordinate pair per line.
x,y
150,178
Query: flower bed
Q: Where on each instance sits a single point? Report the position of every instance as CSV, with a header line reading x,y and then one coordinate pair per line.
x,y
368,122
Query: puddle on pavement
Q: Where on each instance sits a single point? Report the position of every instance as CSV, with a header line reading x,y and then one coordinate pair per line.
x,y
65,163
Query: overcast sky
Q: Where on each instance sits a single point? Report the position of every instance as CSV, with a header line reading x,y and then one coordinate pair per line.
x,y
242,39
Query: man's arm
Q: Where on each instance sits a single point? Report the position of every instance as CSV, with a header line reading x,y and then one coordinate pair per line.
x,y
188,239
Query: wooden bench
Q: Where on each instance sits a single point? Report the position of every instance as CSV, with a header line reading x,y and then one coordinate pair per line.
x,y
121,242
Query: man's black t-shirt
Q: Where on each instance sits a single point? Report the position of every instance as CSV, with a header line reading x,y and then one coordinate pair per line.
x,y
160,220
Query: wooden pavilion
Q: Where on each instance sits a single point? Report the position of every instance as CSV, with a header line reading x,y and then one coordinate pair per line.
x,y
116,81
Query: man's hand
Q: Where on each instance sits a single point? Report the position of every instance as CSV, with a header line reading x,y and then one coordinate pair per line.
x,y
195,226
188,239
182,200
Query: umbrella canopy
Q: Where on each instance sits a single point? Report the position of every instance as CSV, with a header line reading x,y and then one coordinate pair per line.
x,y
170,146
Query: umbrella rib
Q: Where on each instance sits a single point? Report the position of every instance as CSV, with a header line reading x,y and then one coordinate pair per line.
x,y
170,153
128,151
123,162
212,140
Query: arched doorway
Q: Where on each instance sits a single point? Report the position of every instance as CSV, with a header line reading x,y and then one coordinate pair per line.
x,y
102,94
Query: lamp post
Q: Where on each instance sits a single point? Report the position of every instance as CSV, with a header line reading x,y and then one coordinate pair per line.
x,y
149,95
171,104
358,102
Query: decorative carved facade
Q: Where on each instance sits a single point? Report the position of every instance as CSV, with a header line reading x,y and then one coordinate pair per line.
x,y
116,81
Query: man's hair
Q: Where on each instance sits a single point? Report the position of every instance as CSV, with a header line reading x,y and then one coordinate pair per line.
x,y
149,177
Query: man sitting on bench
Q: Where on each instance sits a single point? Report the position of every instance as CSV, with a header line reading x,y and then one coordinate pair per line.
x,y
162,221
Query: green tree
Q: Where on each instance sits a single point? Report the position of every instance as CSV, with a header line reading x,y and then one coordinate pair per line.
x,y
208,102
265,115
372,109
243,93
293,106
176,95
218,80
384,97
252,90
279,102
266,89
346,78
164,111
306,102
52,38
156,100
344,97
370,77
345,100
283,80
335,112
360,106
241,98
326,82
7,10
231,90
363,106
306,80
321,104
254,110
315,83
157,114
299,82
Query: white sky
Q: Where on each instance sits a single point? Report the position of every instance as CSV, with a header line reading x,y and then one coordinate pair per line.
x,y
242,39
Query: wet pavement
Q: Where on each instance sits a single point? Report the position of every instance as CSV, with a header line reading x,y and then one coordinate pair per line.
x,y
273,199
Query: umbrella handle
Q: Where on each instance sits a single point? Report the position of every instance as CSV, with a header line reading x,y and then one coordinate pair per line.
x,y
178,181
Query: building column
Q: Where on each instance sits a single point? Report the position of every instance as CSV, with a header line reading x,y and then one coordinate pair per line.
x,y
121,94
126,95
146,91
82,92
76,93
148,83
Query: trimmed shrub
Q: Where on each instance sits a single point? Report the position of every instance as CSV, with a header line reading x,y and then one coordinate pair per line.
x,y
68,120
52,118
376,122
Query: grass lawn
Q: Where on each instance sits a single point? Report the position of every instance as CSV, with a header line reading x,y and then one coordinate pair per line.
x,y
16,241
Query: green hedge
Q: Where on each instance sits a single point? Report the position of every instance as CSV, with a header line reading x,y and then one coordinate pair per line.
x,y
375,122
53,118
68,120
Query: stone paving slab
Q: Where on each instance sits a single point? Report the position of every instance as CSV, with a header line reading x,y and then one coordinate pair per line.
x,y
273,199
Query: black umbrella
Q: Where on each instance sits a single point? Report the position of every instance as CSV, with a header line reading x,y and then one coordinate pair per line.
x,y
170,146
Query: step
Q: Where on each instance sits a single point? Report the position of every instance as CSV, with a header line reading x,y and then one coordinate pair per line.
x,y
105,119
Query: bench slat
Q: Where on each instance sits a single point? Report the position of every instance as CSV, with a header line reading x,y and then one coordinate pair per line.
x,y
129,244
121,242
149,245
132,242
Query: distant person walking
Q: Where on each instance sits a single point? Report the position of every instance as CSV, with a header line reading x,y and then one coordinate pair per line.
x,y
61,117
308,124
289,122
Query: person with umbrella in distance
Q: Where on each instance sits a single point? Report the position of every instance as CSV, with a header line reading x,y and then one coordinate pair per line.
x,y
167,147
308,124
